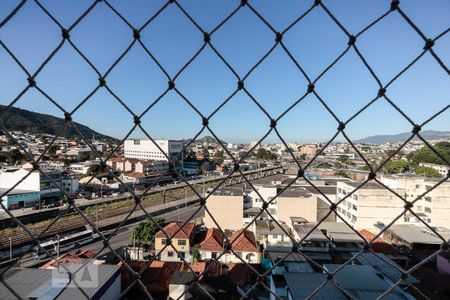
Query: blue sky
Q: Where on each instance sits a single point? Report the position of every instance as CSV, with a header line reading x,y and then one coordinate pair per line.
x,y
315,42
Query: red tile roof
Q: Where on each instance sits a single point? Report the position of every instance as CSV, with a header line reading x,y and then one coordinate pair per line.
x,y
156,278
198,266
134,174
87,254
379,245
213,240
245,242
66,259
170,229
238,273
117,159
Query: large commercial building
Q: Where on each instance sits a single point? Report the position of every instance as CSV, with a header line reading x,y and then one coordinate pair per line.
x,y
19,198
147,150
36,181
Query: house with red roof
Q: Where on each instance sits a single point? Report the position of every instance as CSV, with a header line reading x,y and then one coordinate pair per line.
x,y
243,244
181,236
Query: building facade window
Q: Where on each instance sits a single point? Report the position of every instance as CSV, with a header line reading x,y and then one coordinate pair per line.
x,y
182,242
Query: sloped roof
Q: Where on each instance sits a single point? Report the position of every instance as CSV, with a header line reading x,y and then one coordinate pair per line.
x,y
213,240
243,242
238,273
172,227
117,159
134,174
379,245
70,258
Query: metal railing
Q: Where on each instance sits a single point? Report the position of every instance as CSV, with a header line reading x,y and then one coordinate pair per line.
x,y
32,76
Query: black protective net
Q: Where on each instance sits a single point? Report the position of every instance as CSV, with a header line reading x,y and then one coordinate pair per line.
x,y
137,204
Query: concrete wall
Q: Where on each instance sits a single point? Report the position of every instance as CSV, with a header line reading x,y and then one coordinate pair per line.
x,y
230,257
288,207
440,205
159,245
227,211
179,292
368,206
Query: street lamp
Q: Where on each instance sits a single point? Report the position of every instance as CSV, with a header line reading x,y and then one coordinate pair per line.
x,y
10,248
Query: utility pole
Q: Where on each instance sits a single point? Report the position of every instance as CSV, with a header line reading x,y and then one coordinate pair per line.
x,y
10,249
96,215
203,186
57,247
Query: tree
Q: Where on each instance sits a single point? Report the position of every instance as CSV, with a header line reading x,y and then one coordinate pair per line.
x,y
196,252
143,234
52,150
190,154
396,166
218,157
14,156
426,155
94,156
204,168
344,159
428,172
341,173
302,156
93,170
225,170
205,153
265,154
399,154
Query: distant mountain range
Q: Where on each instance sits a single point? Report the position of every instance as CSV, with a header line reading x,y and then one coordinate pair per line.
x,y
205,139
17,119
381,139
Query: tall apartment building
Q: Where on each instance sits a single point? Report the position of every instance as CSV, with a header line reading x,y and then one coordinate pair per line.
x,y
433,208
370,204
147,150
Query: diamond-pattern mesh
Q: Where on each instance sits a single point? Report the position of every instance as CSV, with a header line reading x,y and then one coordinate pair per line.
x,y
310,89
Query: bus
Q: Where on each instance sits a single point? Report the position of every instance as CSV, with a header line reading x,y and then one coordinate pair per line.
x,y
67,242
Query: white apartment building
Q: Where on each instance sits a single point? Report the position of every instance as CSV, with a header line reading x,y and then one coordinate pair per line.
x,y
370,204
433,208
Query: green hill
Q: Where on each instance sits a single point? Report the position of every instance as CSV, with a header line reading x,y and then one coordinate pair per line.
x,y
37,123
